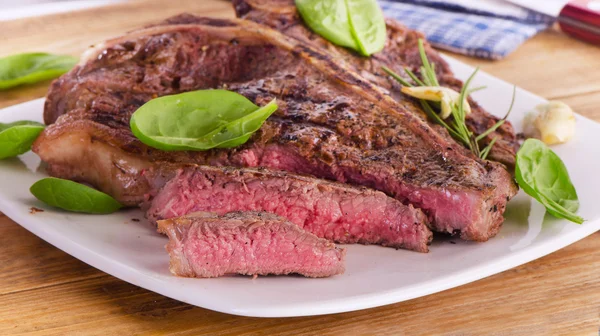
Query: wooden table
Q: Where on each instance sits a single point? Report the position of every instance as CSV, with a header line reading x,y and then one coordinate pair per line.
x,y
45,291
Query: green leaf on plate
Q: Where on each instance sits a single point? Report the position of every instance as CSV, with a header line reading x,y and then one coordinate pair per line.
x,y
543,176
16,138
32,68
73,196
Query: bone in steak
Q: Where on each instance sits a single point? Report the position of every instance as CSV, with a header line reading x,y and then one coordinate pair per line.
x,y
332,123
206,245
334,211
401,51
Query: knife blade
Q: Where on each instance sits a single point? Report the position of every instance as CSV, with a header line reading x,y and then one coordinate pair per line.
x,y
578,18
548,7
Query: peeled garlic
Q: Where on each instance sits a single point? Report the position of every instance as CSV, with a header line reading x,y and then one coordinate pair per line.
x,y
447,97
553,123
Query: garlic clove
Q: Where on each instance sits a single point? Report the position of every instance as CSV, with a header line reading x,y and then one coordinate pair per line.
x,y
553,123
447,97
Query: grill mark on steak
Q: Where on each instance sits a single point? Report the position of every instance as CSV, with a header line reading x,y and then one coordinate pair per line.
x,y
341,213
205,245
370,140
401,51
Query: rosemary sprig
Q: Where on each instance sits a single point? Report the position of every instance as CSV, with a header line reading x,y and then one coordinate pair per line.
x,y
456,126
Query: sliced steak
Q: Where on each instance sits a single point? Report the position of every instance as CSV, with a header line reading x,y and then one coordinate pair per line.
x,y
401,51
334,211
205,245
331,122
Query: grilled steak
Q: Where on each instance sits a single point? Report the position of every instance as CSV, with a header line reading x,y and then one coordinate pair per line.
x,y
329,210
205,245
331,123
400,51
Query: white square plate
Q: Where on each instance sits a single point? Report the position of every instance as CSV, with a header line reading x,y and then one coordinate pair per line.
x,y
375,276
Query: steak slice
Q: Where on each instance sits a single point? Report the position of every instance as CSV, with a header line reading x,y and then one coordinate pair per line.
x,y
334,211
205,245
331,123
401,51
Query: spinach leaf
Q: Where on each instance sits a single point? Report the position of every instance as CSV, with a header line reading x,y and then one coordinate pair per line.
x,y
32,68
368,25
16,138
543,176
73,196
356,24
199,120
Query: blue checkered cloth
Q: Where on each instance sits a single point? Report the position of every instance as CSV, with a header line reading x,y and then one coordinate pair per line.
x,y
466,30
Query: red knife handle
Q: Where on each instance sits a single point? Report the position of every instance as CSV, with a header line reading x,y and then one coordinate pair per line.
x,y
581,19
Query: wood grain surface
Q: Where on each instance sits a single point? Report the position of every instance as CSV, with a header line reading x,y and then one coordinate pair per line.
x,y
44,291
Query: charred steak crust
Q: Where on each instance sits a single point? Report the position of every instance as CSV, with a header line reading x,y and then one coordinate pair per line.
x,y
401,51
341,213
331,123
205,245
